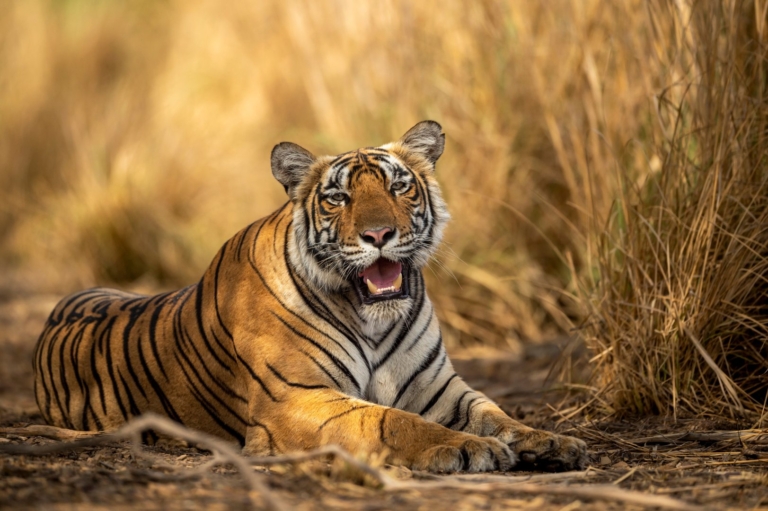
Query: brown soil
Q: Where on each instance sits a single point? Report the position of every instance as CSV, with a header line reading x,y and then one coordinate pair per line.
x,y
627,470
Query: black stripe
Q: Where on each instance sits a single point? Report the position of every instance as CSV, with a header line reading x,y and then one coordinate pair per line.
x,y
128,302
382,432
202,399
327,353
433,353
256,424
81,298
437,395
443,359
342,414
170,411
293,384
457,410
214,378
95,373
187,339
111,368
260,223
64,383
340,398
470,404
423,330
73,359
131,403
209,409
415,312
323,369
198,309
41,369
214,414
275,236
49,372
256,377
216,295
136,314
180,333
153,326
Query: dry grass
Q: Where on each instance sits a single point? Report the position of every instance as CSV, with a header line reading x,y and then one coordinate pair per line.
x,y
679,314
604,164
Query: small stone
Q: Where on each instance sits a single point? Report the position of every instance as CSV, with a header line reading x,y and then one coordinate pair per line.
x,y
605,461
4,440
620,465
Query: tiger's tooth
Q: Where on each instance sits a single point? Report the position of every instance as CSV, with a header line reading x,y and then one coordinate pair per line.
x,y
398,282
371,287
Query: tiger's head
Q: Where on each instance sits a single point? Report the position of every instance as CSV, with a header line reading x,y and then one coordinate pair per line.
x,y
369,219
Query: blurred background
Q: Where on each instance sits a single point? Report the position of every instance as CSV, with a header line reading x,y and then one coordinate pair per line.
x,y
135,140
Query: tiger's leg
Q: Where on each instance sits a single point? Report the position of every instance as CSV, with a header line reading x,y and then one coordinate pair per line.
x,y
311,418
454,404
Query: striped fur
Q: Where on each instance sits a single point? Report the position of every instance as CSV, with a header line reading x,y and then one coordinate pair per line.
x,y
273,349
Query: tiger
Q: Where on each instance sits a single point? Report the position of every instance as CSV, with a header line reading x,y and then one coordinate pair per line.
x,y
310,327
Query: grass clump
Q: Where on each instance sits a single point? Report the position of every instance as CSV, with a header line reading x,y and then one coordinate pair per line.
x,y
679,316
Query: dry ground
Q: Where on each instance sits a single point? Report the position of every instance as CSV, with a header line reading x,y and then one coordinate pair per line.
x,y
633,462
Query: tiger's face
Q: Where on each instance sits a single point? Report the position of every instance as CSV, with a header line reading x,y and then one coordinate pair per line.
x,y
367,219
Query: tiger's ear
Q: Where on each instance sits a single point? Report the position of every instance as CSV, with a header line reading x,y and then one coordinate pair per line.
x,y
290,162
426,139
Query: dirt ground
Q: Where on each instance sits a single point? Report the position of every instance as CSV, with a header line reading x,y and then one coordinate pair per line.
x,y
635,464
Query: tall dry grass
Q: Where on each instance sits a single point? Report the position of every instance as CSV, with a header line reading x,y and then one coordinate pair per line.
x,y
679,318
134,136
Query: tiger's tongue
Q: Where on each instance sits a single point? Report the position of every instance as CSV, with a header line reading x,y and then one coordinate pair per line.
x,y
382,273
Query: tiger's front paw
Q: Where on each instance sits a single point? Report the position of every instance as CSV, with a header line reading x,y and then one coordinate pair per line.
x,y
467,454
547,451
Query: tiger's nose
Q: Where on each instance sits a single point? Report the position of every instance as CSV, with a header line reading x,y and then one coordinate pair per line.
x,y
378,237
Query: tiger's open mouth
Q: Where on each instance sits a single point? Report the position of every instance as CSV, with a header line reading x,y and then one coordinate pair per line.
x,y
383,280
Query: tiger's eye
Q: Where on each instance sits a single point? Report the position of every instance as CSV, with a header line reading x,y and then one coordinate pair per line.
x,y
399,186
338,197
